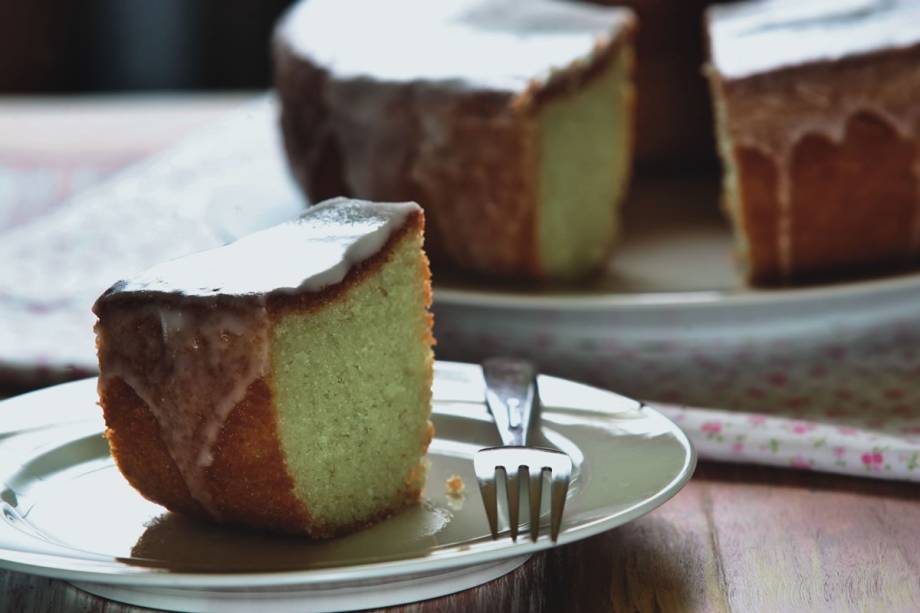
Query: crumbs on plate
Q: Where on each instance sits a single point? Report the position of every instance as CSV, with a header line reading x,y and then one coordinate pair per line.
x,y
455,485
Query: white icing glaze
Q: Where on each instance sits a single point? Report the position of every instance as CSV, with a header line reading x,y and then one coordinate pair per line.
x,y
491,44
307,254
207,358
755,37
210,360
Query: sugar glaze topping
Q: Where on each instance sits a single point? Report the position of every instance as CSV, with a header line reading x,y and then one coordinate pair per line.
x,y
307,254
755,37
490,44
193,363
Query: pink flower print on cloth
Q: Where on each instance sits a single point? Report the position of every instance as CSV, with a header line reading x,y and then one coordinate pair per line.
x,y
873,461
796,443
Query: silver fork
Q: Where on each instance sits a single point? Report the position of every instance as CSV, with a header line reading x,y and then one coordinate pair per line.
x,y
513,400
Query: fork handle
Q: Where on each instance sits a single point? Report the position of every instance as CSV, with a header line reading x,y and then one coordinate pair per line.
x,y
511,396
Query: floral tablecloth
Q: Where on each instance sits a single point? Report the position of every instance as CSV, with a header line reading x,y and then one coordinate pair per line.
x,y
850,405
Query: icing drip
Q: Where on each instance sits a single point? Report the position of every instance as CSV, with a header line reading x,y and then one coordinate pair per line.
x,y
204,363
757,49
771,107
193,335
784,229
787,134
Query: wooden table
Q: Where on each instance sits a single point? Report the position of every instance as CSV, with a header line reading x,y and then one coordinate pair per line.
x,y
737,538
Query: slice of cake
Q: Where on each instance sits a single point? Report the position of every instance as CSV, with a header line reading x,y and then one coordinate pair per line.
x,y
818,112
282,381
510,120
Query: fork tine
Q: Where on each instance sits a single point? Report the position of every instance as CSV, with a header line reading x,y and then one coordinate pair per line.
x,y
560,486
514,497
528,464
535,491
487,490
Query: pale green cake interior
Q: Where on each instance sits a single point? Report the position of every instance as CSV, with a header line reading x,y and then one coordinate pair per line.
x,y
585,155
731,192
353,393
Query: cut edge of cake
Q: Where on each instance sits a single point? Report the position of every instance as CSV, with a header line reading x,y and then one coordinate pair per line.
x,y
590,126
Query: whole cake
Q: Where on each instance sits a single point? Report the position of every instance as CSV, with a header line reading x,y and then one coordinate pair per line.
x,y
511,120
282,381
818,112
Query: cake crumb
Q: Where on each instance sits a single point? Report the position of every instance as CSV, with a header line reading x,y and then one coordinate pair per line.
x,y
455,485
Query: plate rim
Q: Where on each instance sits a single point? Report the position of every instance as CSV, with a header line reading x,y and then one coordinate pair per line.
x,y
42,564
484,297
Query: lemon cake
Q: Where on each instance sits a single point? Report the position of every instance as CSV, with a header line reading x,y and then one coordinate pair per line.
x,y
511,121
282,381
818,116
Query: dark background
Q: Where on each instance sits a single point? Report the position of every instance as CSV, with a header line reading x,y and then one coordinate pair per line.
x,y
118,45
87,46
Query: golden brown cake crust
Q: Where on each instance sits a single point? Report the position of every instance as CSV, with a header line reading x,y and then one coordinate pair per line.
x,y
248,481
467,155
248,478
827,157
142,457
838,227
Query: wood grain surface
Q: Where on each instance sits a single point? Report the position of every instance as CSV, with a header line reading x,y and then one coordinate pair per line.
x,y
737,538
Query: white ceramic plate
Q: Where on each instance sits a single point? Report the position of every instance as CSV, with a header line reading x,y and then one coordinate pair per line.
x,y
68,513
